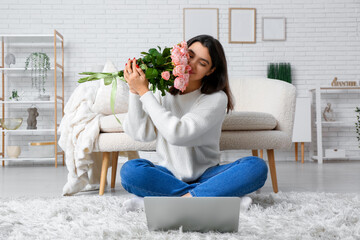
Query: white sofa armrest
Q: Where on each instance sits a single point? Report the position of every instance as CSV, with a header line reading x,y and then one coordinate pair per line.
x,y
266,95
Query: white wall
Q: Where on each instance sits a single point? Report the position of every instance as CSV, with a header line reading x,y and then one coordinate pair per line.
x,y
322,38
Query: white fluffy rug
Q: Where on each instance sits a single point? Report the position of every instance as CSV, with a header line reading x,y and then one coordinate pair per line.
x,y
271,216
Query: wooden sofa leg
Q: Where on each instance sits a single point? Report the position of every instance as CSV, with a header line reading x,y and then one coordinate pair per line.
x,y
261,154
271,158
104,169
255,153
114,163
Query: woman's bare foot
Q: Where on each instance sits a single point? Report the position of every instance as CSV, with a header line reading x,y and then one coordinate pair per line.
x,y
187,195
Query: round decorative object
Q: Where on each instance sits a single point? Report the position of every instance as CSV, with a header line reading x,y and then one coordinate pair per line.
x,y
10,59
11,123
13,151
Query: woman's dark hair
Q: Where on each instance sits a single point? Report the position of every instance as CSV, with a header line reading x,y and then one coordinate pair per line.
x,y
218,80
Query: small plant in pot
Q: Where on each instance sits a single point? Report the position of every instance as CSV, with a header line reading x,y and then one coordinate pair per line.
x,y
14,95
280,71
39,63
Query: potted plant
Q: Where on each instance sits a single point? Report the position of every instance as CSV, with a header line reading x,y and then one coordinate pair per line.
x,y
39,64
280,71
14,95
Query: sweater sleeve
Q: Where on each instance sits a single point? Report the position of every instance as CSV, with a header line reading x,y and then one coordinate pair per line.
x,y
138,124
187,130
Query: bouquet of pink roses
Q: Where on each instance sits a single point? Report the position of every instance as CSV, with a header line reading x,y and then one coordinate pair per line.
x,y
162,69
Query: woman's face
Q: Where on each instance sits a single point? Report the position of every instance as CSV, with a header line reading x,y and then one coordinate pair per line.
x,y
200,62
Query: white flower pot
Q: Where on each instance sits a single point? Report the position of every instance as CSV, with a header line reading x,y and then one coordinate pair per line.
x,y
13,151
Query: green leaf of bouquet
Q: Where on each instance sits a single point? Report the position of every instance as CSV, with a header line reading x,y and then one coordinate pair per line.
x,y
147,58
159,61
112,100
82,80
86,73
144,53
154,52
143,67
162,92
166,52
162,83
151,73
108,80
122,79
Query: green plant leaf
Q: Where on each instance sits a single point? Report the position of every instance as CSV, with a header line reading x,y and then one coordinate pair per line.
x,y
108,80
113,98
151,73
154,52
166,52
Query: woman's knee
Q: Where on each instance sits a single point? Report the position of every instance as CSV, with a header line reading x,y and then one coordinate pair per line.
x,y
258,164
133,168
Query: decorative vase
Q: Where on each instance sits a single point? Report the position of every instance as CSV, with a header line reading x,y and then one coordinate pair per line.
x,y
10,59
13,151
328,113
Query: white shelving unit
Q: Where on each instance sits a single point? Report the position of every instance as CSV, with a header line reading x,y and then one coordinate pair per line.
x,y
57,102
319,123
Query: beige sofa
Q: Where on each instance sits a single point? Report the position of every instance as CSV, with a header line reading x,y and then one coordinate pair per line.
x,y
262,119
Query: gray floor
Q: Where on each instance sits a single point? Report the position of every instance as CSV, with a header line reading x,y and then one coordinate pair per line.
x,y
40,180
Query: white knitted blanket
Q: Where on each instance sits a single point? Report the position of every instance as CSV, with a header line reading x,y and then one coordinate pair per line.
x,y
79,130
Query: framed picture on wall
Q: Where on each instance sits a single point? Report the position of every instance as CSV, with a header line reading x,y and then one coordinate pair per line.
x,y
242,25
273,29
201,21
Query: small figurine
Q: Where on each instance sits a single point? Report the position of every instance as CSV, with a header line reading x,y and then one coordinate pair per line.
x,y
31,121
10,59
328,113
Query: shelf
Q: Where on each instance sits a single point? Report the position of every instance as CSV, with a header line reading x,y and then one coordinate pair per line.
x,y
29,38
336,88
20,69
336,158
30,102
29,131
27,158
337,123
56,42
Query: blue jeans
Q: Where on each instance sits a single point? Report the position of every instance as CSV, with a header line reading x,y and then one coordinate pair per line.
x,y
143,178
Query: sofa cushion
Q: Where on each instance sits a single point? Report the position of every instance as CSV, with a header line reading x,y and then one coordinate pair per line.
x,y
109,124
102,99
233,121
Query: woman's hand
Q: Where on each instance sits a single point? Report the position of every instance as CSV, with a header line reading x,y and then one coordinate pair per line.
x,y
135,77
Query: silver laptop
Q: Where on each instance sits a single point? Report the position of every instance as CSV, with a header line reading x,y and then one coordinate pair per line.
x,y
200,214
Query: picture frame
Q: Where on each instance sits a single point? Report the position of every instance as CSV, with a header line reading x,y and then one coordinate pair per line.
x,y
198,21
242,25
273,29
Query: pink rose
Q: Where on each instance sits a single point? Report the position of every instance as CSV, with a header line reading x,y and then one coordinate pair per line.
x,y
183,61
175,51
165,75
179,70
187,68
176,59
180,83
183,51
186,77
183,44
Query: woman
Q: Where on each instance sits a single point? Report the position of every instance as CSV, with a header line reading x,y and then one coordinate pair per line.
x,y
187,127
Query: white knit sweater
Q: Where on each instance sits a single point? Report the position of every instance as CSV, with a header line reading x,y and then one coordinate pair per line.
x,y
187,129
